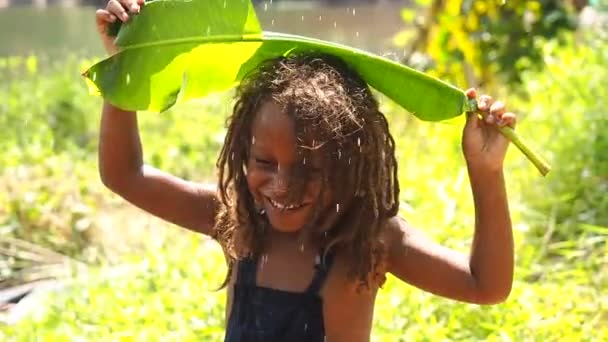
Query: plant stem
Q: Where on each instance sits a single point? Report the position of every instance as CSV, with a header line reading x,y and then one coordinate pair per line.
x,y
534,157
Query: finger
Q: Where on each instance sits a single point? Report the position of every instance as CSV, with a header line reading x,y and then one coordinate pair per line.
x,y
130,5
117,9
471,93
490,119
473,120
484,103
508,119
497,109
102,17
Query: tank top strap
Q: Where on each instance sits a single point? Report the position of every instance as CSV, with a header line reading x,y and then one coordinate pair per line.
x,y
322,267
247,271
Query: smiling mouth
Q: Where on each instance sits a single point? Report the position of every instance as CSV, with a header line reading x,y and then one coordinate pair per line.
x,y
282,206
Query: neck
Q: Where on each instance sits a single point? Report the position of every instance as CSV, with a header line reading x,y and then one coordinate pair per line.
x,y
292,240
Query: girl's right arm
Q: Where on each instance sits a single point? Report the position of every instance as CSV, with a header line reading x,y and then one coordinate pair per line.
x,y
187,204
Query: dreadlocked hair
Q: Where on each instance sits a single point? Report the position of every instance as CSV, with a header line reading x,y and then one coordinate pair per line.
x,y
334,108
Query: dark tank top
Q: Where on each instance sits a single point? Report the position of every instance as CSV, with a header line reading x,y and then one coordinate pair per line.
x,y
261,314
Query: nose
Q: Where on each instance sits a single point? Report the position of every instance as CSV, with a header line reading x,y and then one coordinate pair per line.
x,y
280,183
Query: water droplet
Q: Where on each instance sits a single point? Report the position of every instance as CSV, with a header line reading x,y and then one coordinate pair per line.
x,y
264,260
94,76
357,33
272,22
208,30
265,7
232,156
359,141
348,160
335,24
354,11
128,78
320,17
339,154
337,207
253,140
302,248
302,18
305,326
224,3
304,161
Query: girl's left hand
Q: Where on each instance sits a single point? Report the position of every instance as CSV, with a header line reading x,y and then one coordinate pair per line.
x,y
483,145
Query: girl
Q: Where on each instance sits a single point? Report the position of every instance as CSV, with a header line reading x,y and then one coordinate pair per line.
x,y
308,187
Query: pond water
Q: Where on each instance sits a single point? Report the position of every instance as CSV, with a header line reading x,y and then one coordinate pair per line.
x,y
57,30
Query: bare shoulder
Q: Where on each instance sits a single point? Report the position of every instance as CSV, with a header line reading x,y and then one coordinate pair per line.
x,y
399,236
419,261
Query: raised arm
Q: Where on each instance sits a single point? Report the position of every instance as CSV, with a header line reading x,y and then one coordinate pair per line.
x,y
486,276
187,204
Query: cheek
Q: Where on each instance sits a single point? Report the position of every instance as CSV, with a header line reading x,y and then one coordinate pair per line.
x,y
255,180
313,190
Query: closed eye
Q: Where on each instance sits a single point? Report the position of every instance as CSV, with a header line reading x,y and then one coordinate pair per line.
x,y
262,161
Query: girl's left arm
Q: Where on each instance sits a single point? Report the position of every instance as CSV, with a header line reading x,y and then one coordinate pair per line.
x,y
486,276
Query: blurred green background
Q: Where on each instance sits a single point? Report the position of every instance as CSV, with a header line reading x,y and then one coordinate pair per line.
x,y
117,274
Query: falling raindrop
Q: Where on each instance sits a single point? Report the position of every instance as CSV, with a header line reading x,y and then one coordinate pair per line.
x,y
208,30
305,326
264,261
224,3
128,78
302,18
339,154
320,18
272,22
359,141
335,24
304,161
357,33
302,248
232,156
94,76
348,160
354,11
265,7
337,207
253,140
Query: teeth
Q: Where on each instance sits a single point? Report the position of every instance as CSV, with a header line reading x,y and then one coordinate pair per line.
x,y
282,206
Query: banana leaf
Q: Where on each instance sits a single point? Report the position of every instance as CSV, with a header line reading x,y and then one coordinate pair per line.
x,y
176,50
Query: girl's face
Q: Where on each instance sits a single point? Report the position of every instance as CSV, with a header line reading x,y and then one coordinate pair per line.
x,y
272,157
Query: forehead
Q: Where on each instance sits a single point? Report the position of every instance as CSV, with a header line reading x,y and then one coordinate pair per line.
x,y
272,126
274,131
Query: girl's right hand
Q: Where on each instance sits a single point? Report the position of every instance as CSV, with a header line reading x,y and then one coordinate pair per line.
x,y
115,10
